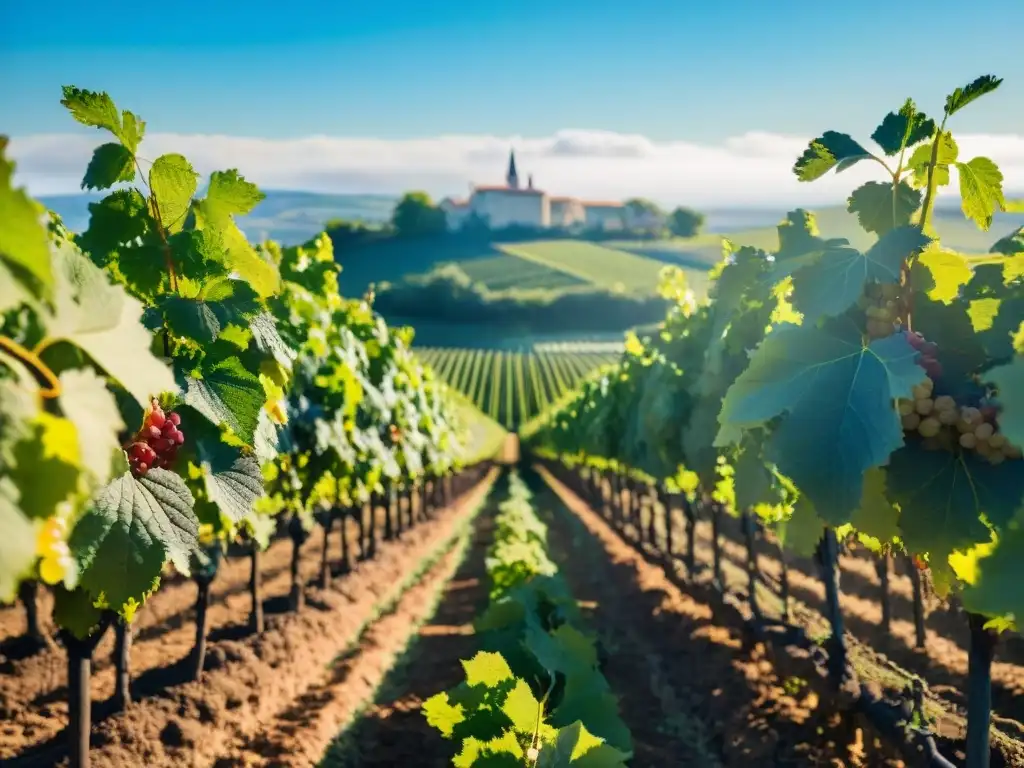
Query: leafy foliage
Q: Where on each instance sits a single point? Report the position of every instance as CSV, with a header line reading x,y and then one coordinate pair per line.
x,y
273,382
876,391
534,695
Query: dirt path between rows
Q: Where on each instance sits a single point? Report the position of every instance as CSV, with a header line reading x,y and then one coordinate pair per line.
x,y
690,693
252,678
300,733
392,731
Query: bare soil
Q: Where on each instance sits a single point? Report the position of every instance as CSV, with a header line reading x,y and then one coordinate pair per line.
x,y
248,679
691,692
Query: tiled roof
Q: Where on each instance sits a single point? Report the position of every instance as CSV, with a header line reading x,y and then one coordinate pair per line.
x,y
455,203
600,204
564,200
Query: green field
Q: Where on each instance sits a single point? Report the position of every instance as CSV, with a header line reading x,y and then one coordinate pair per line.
x,y
512,387
593,264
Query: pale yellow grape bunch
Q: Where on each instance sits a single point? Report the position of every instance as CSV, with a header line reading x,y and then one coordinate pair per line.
x,y
880,302
943,424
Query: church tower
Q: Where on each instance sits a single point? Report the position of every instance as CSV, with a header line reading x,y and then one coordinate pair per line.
x,y
512,179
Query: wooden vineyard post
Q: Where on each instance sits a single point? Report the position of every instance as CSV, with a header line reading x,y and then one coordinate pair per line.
x,y
371,528
918,594
716,545
360,517
298,535
750,537
666,503
828,559
326,519
203,575
79,660
396,504
122,663
882,566
653,497
979,692
28,594
408,494
385,500
690,513
346,561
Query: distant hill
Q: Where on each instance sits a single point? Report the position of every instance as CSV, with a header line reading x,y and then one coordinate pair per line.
x,y
289,217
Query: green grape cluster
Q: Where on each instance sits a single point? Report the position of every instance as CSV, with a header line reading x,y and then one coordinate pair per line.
x,y
946,425
881,305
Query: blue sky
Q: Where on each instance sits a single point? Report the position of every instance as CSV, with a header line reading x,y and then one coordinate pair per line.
x,y
668,69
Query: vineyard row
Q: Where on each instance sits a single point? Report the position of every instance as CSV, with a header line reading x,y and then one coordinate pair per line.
x,y
806,645
345,538
512,387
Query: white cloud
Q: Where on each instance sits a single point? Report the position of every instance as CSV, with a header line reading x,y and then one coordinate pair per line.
x,y
752,169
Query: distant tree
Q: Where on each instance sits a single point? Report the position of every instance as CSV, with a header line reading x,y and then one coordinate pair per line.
x,y
644,217
640,206
685,223
417,215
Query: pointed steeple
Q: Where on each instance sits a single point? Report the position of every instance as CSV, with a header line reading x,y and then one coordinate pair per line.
x,y
513,177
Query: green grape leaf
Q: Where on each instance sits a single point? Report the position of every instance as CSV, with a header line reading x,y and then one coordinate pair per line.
x,y
502,751
89,405
562,650
172,183
921,158
1009,379
46,465
104,323
981,190
587,698
802,531
18,543
753,481
876,517
827,283
487,669
837,396
1012,244
945,497
903,129
229,195
110,164
996,591
114,222
76,611
961,97
228,394
961,351
98,111
442,714
880,207
576,747
269,341
200,311
131,528
23,242
830,150
233,482
522,708
939,273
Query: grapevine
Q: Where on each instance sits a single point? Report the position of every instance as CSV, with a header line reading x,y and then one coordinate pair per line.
x,y
830,390
168,389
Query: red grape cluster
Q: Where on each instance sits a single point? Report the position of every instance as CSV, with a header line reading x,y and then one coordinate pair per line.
x,y
156,444
928,350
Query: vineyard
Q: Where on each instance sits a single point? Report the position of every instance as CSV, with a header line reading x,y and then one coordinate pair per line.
x,y
825,393
246,523
513,387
